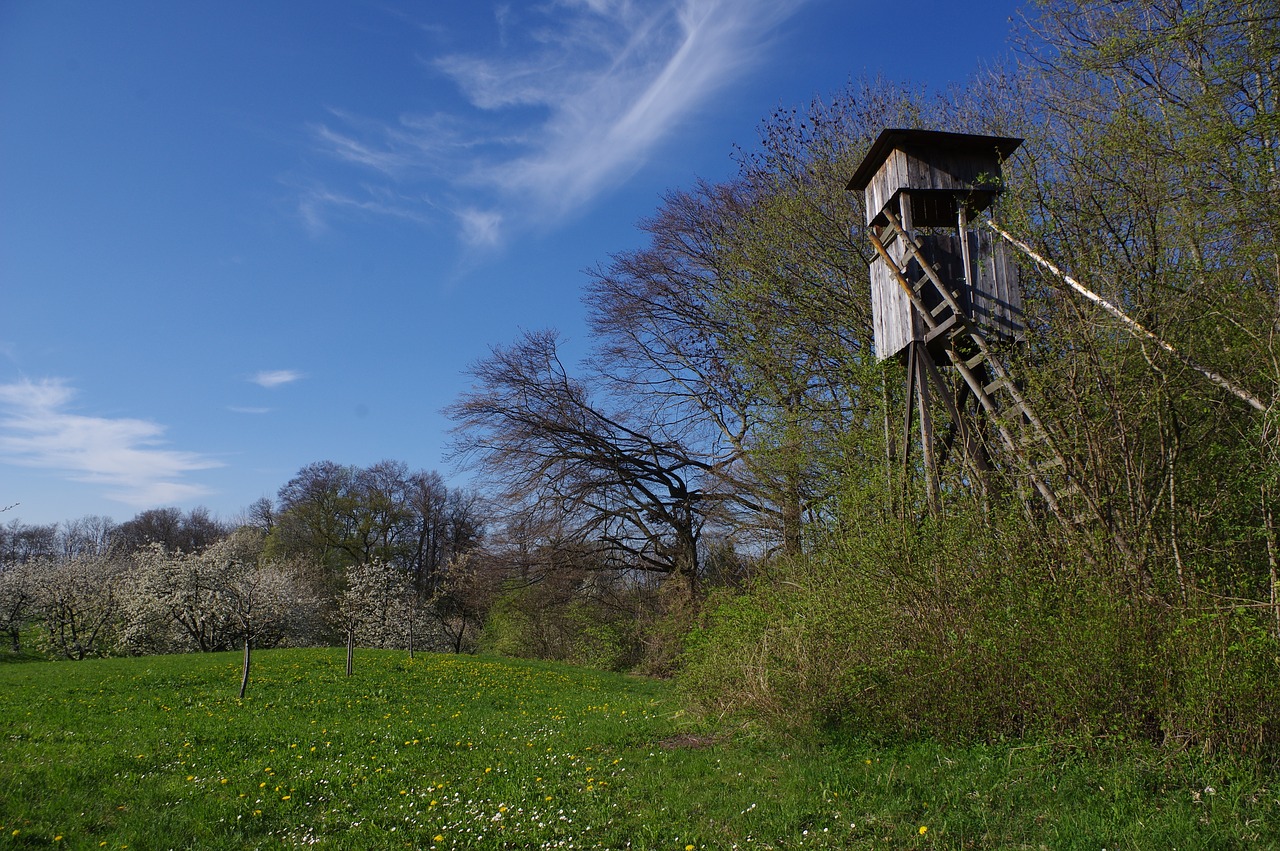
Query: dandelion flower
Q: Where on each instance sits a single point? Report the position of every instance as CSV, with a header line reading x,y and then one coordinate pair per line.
x,y
923,830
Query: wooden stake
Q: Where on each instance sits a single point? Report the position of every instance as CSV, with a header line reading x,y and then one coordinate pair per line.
x,y
244,676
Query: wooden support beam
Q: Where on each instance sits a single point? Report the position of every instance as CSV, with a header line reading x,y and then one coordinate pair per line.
x,y
1004,382
926,431
1134,327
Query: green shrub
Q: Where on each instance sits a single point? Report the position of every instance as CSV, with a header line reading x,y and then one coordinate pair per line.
x,y
1223,682
541,621
953,632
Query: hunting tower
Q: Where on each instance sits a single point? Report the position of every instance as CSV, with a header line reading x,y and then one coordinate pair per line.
x,y
946,301
923,179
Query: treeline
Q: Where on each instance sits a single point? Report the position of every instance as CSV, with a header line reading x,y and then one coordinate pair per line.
x,y
292,570
376,556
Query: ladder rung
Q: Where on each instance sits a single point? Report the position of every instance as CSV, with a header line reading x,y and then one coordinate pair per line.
x,y
975,360
943,327
998,384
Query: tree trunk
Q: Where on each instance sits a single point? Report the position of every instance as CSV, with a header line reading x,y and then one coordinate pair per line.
x,y
244,677
351,650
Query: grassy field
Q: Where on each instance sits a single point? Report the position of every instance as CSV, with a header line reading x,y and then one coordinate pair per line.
x,y
462,752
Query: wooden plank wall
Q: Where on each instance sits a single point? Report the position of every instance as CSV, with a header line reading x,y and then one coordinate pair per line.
x,y
937,173
891,177
893,320
994,303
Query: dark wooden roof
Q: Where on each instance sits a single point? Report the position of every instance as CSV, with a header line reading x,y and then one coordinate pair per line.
x,y
890,139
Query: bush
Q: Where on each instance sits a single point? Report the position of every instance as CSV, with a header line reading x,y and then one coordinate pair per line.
x,y
956,632
555,621
1224,682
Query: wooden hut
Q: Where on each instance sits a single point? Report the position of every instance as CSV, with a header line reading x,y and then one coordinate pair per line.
x,y
932,183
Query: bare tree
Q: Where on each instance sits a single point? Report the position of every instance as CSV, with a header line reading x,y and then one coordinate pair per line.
x,y
539,438
88,536
188,532
21,542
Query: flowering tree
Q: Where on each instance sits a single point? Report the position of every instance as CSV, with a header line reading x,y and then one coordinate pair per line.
x,y
17,598
268,602
78,603
375,609
183,601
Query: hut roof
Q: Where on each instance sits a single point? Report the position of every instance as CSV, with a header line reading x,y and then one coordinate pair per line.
x,y
894,138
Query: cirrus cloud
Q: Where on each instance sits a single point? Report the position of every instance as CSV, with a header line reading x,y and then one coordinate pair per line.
x,y
269,378
125,456
573,101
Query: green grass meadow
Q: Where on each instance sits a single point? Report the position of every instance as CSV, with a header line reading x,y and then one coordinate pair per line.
x,y
470,752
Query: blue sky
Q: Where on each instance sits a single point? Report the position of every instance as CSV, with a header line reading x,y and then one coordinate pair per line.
x,y
238,238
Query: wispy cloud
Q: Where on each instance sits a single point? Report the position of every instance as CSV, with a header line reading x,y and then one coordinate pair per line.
x,y
275,377
316,204
124,455
480,228
574,101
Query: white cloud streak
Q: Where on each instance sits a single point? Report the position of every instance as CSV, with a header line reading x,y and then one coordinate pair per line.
x,y
480,228
577,98
123,455
270,378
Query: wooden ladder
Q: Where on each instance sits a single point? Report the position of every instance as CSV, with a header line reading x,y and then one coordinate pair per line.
x,y
1022,433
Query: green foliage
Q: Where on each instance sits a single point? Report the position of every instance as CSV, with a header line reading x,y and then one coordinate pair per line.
x,y
1224,668
1149,173
551,622
973,630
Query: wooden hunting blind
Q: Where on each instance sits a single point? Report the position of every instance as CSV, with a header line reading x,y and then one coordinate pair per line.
x,y
926,179
946,301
